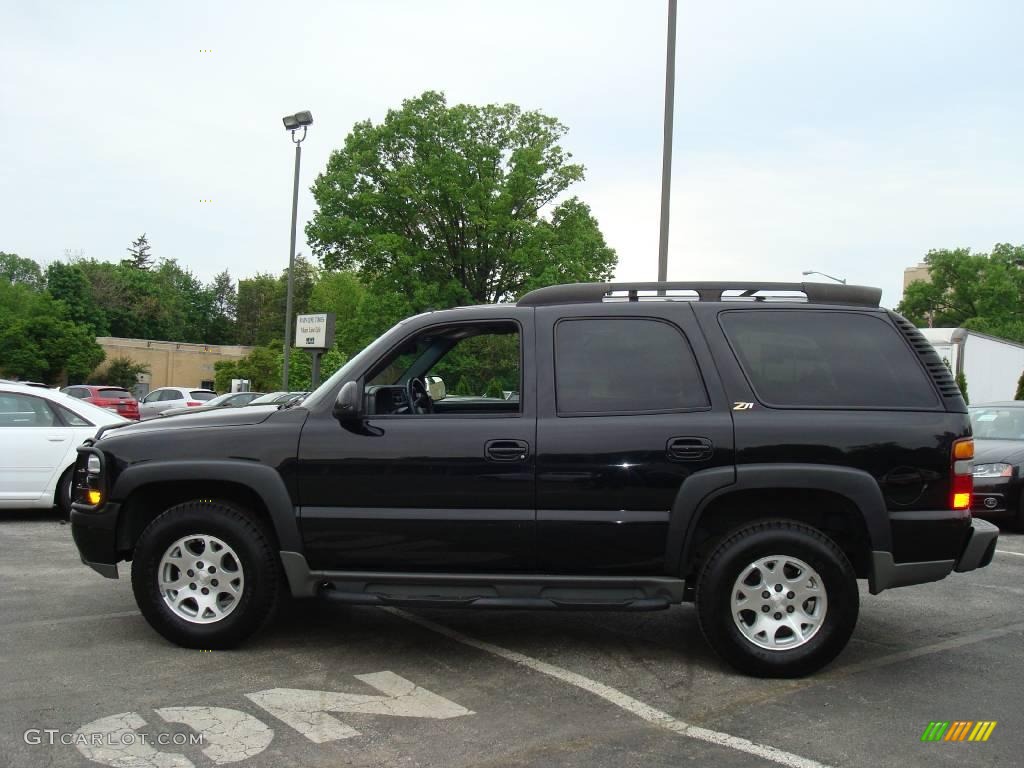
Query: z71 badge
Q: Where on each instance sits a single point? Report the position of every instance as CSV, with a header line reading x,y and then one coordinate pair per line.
x,y
742,406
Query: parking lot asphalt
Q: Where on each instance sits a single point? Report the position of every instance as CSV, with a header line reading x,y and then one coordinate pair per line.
x,y
495,688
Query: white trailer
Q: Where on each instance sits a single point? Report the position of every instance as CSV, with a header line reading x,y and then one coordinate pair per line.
x,y
991,365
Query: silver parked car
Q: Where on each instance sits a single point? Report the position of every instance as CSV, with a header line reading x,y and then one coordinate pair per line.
x,y
159,400
229,400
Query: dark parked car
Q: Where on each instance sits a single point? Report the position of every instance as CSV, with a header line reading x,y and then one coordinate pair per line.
x,y
228,400
999,462
116,399
754,448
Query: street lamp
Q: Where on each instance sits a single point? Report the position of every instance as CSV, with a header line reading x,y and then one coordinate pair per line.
x,y
814,272
292,123
666,147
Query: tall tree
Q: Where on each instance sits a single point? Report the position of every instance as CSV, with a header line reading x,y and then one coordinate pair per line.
x,y
981,291
18,269
260,317
68,284
450,204
138,253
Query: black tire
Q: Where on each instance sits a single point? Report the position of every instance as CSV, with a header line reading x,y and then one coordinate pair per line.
x,y
63,496
243,533
744,547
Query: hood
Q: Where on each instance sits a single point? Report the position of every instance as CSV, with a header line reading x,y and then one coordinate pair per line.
x,y
215,417
991,451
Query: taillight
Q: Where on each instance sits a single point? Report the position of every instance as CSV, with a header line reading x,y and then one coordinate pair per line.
x,y
190,403
962,473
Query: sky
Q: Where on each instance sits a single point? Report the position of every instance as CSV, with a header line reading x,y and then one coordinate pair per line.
x,y
849,138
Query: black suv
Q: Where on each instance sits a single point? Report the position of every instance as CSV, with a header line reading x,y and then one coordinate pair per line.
x,y
754,448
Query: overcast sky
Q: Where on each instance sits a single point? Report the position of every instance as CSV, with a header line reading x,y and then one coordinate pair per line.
x,y
843,137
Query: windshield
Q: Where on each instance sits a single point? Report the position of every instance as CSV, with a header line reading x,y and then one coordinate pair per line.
x,y
375,348
998,422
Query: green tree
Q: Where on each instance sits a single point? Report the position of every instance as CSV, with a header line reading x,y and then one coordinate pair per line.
x,y
260,319
138,253
983,292
1019,394
120,372
443,205
20,270
68,284
38,341
961,381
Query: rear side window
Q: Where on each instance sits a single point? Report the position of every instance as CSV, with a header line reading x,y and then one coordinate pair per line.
x,y
202,397
624,365
809,358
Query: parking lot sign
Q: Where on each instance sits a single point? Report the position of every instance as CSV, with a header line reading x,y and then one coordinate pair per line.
x,y
314,331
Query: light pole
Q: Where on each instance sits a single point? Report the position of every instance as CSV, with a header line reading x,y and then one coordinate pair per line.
x,y
815,272
666,154
292,123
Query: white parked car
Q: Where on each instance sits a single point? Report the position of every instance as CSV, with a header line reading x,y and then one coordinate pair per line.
x,y
39,432
159,400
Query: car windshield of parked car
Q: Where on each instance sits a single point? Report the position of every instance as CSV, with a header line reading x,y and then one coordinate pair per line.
x,y
271,398
995,423
87,410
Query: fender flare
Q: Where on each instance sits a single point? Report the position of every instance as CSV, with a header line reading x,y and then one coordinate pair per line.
x,y
702,488
262,480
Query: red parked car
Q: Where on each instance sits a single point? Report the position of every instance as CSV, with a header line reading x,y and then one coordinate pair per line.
x,y
116,399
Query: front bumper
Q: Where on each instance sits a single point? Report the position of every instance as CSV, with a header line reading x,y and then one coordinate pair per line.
x,y
977,552
95,535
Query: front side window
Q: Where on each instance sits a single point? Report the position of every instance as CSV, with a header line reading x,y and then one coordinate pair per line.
x,y
461,368
25,411
624,365
822,358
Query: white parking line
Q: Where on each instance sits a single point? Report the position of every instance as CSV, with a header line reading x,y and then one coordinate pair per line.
x,y
618,698
1008,552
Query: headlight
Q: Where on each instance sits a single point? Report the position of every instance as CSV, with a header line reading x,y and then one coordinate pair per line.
x,y
993,470
92,465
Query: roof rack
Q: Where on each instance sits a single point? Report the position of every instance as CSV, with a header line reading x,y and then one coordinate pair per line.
x,y
813,293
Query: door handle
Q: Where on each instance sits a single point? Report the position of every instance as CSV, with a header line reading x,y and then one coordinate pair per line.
x,y
506,450
689,448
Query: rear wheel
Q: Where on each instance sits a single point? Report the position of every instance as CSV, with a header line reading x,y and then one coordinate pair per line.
x,y
777,599
205,575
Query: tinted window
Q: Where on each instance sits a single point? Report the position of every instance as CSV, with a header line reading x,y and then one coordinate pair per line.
x,y
823,358
114,392
24,411
170,394
202,397
618,365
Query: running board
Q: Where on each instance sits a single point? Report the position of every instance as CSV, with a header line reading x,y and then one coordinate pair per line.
x,y
596,603
477,590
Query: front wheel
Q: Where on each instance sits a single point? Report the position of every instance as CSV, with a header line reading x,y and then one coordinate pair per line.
x,y
205,575
777,599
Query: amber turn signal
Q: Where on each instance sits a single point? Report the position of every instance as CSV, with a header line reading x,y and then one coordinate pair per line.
x,y
94,496
963,449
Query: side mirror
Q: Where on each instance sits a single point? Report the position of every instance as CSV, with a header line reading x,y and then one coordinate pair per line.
x,y
348,407
436,388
